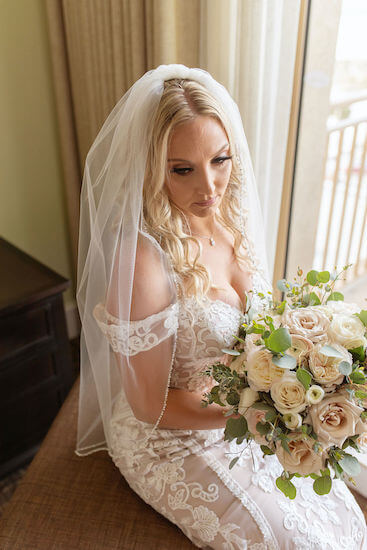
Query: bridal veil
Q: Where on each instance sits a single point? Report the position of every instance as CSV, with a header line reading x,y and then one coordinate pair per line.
x,y
112,238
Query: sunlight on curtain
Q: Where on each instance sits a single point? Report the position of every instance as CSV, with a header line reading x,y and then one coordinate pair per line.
x,y
254,59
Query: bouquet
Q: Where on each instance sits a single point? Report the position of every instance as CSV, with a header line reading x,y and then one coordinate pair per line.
x,y
296,381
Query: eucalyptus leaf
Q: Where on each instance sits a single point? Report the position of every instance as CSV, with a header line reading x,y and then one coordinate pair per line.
x,y
358,354
266,450
329,351
345,368
271,415
263,429
285,361
363,316
231,351
233,462
283,285
314,300
322,485
358,377
286,487
335,297
304,377
281,307
350,465
279,340
235,427
312,277
323,276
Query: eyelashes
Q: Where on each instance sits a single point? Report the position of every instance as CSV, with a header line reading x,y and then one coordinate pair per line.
x,y
187,170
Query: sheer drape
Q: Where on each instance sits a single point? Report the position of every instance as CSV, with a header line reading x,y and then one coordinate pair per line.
x,y
254,59
99,48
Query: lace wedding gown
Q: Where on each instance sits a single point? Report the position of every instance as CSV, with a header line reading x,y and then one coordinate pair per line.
x,y
184,474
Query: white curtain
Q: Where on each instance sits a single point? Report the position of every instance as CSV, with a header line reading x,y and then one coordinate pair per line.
x,y
250,47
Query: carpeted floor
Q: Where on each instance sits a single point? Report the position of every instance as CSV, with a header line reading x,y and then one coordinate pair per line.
x,y
9,483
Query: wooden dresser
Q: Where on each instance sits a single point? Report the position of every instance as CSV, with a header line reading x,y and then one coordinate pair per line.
x,y
35,358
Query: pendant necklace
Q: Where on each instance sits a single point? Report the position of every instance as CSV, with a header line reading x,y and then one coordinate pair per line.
x,y
211,239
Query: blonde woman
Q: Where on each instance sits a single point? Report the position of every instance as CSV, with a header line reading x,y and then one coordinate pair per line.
x,y
171,240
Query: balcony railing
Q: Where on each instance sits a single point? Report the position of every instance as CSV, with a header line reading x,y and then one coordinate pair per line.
x,y
342,224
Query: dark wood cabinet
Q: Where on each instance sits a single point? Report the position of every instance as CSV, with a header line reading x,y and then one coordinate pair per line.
x,y
35,357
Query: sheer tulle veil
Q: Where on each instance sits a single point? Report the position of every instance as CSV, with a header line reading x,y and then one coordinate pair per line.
x,y
111,228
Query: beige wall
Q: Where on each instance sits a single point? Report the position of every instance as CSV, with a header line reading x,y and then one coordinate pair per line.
x,y
32,205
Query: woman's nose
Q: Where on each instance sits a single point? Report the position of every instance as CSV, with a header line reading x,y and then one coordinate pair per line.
x,y
207,181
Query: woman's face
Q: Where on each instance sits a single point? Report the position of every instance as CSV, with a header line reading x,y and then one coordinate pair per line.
x,y
199,166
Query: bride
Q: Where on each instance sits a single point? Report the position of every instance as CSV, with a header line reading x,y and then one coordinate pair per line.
x,y
170,241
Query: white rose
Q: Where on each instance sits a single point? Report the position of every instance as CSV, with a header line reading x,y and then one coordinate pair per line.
x,y
238,364
362,442
314,394
325,370
307,322
247,398
300,348
261,371
301,459
292,420
289,394
335,418
348,331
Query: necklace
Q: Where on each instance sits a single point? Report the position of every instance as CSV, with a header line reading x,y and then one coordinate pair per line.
x,y
211,240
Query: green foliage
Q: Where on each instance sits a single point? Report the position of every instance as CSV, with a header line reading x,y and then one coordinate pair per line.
x,y
314,300
279,340
322,485
350,465
358,377
231,351
363,316
304,377
233,462
263,429
358,354
235,428
312,277
329,351
285,361
345,368
286,486
266,450
323,277
335,297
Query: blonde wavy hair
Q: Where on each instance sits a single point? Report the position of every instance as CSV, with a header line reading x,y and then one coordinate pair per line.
x,y
182,101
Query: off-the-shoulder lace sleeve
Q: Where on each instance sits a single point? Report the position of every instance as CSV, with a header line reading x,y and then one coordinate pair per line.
x,y
130,338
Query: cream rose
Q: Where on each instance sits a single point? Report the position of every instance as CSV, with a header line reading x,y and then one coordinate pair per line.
x,y
289,394
247,398
238,364
309,323
301,459
253,416
348,331
325,370
362,442
261,371
300,348
335,418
